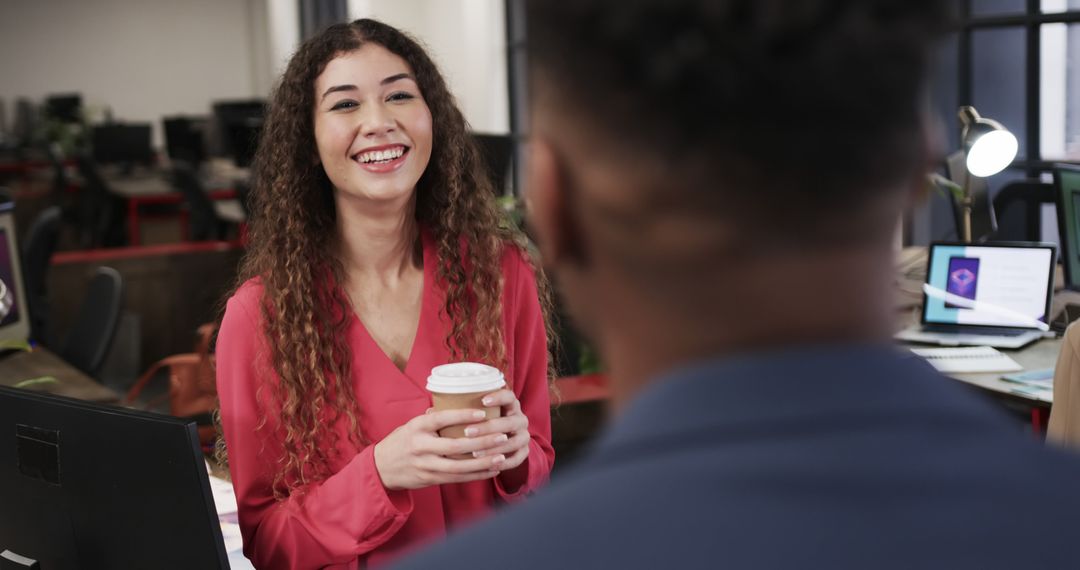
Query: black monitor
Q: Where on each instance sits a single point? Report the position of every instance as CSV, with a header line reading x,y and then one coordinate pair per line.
x,y
66,108
185,138
239,124
92,486
497,152
122,143
1067,195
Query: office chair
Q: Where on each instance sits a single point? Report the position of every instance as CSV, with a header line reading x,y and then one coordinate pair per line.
x,y
209,220
37,249
99,213
89,340
1018,209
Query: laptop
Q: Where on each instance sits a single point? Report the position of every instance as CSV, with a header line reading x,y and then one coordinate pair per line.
x,y
995,294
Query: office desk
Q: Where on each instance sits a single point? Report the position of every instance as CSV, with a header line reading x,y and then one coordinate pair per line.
x,y
69,381
155,189
911,271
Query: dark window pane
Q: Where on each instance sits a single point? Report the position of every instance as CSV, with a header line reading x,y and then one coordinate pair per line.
x,y
998,81
944,91
996,7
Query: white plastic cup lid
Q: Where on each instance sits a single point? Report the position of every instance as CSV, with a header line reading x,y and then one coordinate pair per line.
x,y
465,378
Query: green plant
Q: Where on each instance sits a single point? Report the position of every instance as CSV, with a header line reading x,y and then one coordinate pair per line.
x,y
944,186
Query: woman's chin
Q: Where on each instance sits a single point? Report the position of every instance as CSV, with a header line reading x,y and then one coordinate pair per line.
x,y
388,195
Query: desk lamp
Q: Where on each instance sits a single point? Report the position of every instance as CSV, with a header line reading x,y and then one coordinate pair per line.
x,y
989,148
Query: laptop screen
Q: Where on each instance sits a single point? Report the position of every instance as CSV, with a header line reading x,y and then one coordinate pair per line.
x,y
989,285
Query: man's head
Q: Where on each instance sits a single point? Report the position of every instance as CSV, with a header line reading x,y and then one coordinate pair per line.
x,y
677,139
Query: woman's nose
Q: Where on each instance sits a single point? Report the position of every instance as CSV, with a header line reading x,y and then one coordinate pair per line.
x,y
376,121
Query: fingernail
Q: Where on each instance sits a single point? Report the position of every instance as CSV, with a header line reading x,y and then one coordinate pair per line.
x,y
487,401
478,454
498,459
479,414
469,432
501,438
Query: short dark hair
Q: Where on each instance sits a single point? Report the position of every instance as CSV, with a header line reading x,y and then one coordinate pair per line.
x,y
804,106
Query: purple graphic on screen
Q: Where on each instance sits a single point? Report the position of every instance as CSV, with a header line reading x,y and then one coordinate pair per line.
x,y
963,278
7,275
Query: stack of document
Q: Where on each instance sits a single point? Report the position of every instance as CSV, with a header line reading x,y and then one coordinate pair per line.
x,y
1036,383
968,359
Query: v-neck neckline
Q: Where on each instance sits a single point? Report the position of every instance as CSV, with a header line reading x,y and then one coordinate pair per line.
x,y
426,283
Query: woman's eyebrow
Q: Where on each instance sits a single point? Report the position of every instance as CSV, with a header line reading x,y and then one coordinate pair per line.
x,y
338,88
396,77
387,81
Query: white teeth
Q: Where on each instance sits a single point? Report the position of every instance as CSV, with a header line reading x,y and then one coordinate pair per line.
x,y
381,155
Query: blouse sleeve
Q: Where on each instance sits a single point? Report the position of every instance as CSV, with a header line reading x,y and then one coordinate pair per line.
x,y
332,522
528,355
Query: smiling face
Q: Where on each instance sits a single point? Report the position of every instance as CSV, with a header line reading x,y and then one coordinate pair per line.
x,y
372,125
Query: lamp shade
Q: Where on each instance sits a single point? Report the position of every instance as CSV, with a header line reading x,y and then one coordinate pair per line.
x,y
990,147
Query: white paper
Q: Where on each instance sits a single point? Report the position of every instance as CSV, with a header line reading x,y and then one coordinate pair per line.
x,y
968,359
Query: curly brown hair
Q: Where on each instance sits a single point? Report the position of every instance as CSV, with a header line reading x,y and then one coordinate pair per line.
x,y
293,250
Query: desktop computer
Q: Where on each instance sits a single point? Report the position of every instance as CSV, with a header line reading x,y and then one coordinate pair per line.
x,y
497,152
185,138
127,144
66,107
238,124
86,485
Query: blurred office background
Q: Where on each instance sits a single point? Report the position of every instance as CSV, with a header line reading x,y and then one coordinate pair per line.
x,y
127,127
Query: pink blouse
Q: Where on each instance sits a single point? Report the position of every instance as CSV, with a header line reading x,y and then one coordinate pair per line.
x,y
350,520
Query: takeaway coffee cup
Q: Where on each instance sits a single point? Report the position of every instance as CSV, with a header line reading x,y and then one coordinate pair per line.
x,y
462,385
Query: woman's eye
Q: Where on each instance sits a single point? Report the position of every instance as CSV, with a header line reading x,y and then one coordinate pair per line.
x,y
400,96
343,105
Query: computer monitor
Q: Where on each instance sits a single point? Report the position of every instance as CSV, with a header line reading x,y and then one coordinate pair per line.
x,y
239,124
86,485
122,143
15,324
1067,194
66,107
497,152
185,138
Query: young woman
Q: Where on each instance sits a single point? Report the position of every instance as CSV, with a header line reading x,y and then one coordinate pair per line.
x,y
376,253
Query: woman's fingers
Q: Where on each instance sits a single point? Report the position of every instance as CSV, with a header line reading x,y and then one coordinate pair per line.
x,y
438,464
436,421
511,445
462,445
504,424
514,459
499,398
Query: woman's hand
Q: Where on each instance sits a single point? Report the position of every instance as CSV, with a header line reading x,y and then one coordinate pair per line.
x,y
513,423
412,456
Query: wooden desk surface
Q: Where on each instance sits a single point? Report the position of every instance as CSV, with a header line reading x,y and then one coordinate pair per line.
x,y
70,381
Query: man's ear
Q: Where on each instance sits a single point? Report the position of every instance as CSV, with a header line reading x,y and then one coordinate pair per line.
x,y
550,207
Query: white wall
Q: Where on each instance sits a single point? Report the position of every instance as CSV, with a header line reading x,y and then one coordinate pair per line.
x,y
467,39
145,59
142,58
